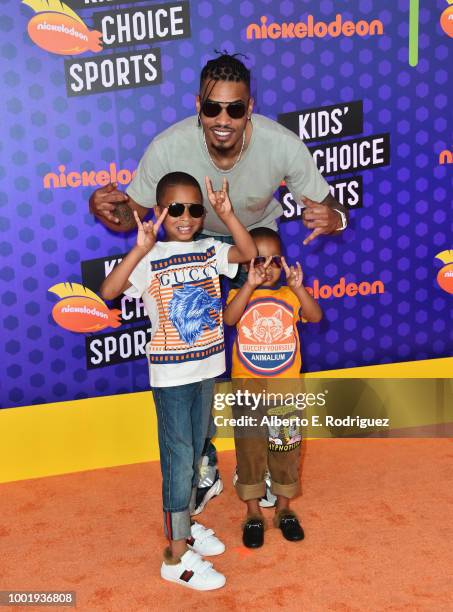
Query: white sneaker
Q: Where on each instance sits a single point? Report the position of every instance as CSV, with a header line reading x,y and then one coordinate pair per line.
x,y
269,500
210,484
204,542
194,572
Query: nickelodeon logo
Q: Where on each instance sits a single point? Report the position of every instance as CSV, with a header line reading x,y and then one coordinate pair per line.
x,y
446,20
445,274
87,178
445,157
81,310
314,29
58,29
343,288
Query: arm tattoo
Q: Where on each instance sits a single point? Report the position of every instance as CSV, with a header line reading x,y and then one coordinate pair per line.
x,y
124,214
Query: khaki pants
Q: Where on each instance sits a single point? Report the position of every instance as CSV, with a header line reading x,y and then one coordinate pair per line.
x,y
266,446
253,457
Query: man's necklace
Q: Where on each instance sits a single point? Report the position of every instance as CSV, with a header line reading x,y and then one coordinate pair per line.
x,y
235,163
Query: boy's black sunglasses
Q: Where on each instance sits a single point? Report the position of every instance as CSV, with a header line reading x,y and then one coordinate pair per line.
x,y
275,261
236,110
176,209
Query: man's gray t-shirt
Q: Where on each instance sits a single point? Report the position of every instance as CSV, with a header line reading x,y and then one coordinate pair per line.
x,y
274,154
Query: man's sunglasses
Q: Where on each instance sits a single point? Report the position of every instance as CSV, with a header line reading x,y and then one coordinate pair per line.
x,y
176,209
275,261
236,110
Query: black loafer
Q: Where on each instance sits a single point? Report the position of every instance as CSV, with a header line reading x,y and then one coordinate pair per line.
x,y
253,533
290,527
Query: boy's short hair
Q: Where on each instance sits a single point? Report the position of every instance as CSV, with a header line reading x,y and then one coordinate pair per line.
x,y
174,179
265,232
225,68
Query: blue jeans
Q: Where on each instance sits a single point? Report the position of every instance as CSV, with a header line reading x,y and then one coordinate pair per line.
x,y
226,284
182,421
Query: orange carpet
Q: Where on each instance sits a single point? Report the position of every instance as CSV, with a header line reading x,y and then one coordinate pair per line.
x,y
377,515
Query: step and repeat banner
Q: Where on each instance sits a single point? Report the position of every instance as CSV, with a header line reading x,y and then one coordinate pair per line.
x,y
86,85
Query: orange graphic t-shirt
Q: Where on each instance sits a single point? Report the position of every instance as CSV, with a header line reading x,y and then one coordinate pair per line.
x,y
267,342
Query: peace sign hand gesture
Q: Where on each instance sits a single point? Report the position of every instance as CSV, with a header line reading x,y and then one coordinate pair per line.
x,y
257,276
220,200
294,274
147,232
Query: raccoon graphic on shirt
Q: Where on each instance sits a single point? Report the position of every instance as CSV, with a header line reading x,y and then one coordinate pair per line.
x,y
267,341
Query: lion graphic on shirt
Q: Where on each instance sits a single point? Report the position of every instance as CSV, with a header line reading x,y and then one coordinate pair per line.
x,y
190,311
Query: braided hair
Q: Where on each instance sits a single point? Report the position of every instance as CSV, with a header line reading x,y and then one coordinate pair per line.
x,y
223,68
226,68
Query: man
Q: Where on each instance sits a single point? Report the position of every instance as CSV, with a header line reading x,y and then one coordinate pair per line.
x,y
225,139
255,153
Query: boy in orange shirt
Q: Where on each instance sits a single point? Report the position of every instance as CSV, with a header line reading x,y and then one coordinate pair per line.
x,y
265,313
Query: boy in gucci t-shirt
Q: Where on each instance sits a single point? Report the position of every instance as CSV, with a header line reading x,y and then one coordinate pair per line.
x,y
178,280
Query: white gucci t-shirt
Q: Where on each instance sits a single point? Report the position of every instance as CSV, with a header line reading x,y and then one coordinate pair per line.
x,y
180,287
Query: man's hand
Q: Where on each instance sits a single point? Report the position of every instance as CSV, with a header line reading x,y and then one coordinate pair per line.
x,y
220,200
104,203
294,274
319,217
147,232
257,276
